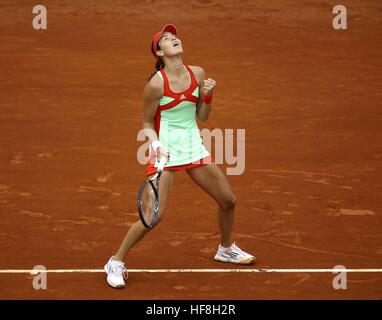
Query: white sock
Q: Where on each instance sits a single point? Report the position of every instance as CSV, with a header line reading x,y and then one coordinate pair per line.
x,y
227,248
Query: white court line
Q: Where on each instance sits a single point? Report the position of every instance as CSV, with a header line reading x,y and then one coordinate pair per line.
x,y
31,271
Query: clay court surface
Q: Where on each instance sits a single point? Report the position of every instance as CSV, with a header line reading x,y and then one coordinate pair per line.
x,y
308,96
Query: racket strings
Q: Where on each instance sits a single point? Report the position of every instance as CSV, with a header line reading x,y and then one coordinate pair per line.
x,y
148,203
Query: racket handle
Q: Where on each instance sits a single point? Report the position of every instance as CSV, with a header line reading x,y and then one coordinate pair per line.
x,y
162,162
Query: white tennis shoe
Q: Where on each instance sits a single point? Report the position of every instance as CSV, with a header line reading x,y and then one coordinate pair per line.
x,y
234,254
116,273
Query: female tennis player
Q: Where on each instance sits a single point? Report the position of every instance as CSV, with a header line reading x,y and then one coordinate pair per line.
x,y
173,96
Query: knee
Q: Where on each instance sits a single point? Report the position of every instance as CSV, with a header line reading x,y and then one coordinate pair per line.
x,y
228,202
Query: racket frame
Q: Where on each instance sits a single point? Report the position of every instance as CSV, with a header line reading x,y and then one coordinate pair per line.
x,y
151,181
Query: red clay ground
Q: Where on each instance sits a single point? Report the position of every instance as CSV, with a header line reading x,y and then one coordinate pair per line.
x,y
307,95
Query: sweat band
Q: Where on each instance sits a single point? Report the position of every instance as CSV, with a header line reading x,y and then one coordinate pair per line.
x,y
207,99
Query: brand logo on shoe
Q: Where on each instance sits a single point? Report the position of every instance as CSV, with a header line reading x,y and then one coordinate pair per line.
x,y
230,254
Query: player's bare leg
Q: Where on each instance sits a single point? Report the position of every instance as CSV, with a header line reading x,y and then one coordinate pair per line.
x,y
137,231
115,268
211,179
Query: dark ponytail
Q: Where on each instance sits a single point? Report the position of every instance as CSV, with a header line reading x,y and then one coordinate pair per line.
x,y
159,64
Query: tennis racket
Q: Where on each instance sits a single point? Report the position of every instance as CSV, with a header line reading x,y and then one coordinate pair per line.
x,y
148,197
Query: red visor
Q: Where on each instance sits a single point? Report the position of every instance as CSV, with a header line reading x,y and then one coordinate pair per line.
x,y
167,28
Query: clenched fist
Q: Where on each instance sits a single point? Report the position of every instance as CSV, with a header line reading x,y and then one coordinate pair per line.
x,y
208,86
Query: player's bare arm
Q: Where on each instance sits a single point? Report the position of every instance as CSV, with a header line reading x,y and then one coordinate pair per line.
x,y
206,87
